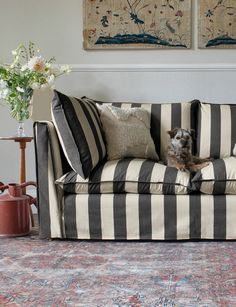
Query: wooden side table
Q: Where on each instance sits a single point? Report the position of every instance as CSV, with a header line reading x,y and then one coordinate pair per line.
x,y
22,145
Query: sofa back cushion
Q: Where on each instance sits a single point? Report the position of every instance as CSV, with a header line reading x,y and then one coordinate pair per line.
x,y
163,117
79,130
128,176
216,130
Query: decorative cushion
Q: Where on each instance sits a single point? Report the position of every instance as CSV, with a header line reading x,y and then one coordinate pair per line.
x,y
79,129
219,177
216,132
128,176
163,117
127,133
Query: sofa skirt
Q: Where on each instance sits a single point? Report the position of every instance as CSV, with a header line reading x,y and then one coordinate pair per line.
x,y
148,217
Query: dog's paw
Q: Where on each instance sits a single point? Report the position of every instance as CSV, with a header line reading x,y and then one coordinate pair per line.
x,y
198,167
181,167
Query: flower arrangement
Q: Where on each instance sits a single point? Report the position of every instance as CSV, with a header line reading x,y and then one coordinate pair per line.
x,y
28,71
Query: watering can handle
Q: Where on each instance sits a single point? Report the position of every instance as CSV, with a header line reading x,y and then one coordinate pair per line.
x,y
3,187
33,201
26,184
23,185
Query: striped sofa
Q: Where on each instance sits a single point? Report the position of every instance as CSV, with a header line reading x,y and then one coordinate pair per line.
x,y
135,199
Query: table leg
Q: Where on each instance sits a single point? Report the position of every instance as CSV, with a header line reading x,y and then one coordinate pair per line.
x,y
22,164
23,175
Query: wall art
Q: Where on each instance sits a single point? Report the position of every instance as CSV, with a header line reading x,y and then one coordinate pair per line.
x,y
116,24
217,23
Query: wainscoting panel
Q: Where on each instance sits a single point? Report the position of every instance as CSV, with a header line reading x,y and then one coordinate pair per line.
x,y
147,83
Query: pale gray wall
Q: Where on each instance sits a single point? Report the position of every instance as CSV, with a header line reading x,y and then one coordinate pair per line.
x,y
161,75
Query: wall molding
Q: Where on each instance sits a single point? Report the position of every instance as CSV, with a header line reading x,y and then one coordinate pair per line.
x,y
152,68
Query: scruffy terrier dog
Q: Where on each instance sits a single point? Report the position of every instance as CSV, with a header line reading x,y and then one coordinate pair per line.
x,y
179,151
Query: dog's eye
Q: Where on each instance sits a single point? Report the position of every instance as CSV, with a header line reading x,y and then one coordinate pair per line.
x,y
187,137
178,138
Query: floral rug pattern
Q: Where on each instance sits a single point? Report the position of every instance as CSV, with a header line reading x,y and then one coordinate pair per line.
x,y
36,272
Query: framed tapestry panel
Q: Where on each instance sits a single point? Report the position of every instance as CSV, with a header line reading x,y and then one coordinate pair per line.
x,y
116,24
217,23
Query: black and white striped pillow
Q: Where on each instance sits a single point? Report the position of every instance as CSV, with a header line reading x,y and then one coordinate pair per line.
x,y
216,131
164,117
219,177
129,175
79,130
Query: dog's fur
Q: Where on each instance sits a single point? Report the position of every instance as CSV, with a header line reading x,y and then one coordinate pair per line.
x,y
179,151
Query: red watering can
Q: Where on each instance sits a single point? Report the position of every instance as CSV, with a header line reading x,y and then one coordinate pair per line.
x,y
15,210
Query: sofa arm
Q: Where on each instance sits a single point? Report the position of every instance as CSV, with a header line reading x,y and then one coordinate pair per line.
x,y
48,169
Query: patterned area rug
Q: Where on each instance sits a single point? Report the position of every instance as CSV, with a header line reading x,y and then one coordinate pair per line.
x,y
35,272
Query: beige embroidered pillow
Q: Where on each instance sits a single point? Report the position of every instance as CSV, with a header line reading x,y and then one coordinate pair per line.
x,y
127,133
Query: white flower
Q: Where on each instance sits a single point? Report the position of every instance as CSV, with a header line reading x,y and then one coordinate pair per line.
x,y
44,86
3,84
14,52
35,86
37,63
16,58
65,68
55,70
4,93
20,89
50,79
24,67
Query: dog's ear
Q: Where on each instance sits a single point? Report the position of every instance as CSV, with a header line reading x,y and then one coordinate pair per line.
x,y
172,132
192,133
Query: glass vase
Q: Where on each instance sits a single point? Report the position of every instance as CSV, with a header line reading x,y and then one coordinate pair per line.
x,y
21,129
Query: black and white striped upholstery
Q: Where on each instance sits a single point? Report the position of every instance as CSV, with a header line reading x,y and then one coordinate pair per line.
x,y
128,176
148,217
164,117
79,130
219,177
123,216
49,166
216,132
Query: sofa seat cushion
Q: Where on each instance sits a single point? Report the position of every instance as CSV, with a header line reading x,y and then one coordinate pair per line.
x,y
128,176
80,133
219,177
